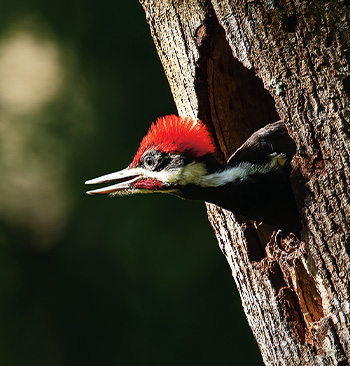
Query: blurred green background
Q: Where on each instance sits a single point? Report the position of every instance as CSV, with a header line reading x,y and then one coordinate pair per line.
x,y
92,280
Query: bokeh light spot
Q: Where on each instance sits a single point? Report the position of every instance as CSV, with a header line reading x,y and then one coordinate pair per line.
x,y
30,72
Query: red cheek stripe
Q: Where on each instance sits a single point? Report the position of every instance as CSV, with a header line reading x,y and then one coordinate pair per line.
x,y
150,184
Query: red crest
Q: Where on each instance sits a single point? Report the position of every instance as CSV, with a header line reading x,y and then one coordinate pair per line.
x,y
173,134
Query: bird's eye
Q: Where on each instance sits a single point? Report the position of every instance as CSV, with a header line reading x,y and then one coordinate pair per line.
x,y
149,162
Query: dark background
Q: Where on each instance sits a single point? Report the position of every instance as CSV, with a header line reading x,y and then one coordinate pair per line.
x,y
92,280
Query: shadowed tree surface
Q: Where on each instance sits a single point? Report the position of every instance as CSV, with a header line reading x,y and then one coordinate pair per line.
x,y
237,66
86,280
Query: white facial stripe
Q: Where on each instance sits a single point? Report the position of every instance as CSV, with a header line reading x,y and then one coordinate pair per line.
x,y
243,171
197,174
191,173
166,176
184,175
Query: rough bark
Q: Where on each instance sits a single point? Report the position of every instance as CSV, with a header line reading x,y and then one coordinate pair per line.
x,y
238,65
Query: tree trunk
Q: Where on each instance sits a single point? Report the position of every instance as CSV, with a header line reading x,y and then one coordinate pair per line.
x,y
239,65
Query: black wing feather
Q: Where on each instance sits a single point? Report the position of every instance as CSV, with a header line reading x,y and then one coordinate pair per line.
x,y
273,138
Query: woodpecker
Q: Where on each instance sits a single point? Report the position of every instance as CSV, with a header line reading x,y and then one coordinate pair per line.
x,y
176,156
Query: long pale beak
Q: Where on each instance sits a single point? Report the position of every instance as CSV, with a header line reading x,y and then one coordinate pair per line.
x,y
122,182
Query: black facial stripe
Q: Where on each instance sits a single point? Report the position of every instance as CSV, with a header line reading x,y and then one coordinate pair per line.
x,y
157,161
163,162
175,162
212,165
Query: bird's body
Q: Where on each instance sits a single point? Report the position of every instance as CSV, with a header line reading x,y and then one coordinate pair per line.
x,y
177,157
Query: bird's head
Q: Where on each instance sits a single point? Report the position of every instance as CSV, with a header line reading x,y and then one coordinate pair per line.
x,y
171,156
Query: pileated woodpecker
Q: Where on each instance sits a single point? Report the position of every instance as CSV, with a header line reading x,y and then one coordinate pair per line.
x,y
177,156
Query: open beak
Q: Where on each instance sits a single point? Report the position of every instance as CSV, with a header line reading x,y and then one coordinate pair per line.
x,y
121,182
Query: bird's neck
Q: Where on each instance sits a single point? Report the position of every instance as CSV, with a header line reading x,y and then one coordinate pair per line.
x,y
212,174
253,191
